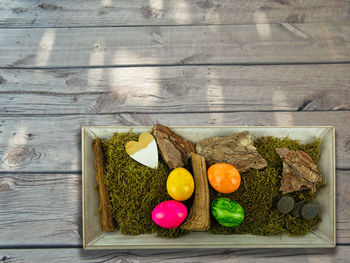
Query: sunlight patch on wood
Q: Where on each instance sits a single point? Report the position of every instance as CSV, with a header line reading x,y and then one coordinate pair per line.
x,y
156,4
45,47
215,98
96,75
181,11
107,2
150,93
263,30
260,17
18,136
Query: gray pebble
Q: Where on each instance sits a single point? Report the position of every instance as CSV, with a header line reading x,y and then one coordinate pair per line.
x,y
285,204
309,211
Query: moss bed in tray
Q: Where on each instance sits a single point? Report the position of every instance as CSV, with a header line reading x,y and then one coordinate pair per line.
x,y
135,189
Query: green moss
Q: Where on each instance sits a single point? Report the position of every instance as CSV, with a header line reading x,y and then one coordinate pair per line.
x,y
134,189
297,226
258,194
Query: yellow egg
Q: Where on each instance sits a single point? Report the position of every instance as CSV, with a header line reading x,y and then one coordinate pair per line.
x,y
180,184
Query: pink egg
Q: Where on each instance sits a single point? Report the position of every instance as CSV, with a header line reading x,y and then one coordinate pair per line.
x,y
169,214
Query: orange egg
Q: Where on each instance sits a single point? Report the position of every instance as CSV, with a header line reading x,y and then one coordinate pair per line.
x,y
224,177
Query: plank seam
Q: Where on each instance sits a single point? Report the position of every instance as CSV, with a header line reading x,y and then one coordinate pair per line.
x,y
163,25
180,64
36,115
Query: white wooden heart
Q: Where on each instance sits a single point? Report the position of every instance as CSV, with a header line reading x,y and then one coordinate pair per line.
x,y
144,151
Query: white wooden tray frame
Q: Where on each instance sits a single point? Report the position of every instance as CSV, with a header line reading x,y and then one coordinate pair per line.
x,y
323,236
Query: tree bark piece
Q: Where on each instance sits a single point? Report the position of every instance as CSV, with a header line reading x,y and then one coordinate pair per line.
x,y
300,172
236,149
199,216
107,221
174,150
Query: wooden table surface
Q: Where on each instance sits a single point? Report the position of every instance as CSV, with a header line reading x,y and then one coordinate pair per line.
x,y
64,64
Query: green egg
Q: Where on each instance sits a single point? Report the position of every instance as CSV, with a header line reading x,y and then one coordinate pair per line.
x,y
227,212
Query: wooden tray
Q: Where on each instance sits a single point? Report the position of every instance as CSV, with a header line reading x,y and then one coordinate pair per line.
x,y
323,236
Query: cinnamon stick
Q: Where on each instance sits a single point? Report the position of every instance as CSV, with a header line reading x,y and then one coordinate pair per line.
x,y
107,222
199,216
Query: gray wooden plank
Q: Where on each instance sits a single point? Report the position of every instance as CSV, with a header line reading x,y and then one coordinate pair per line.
x,y
45,209
339,254
247,44
176,89
342,207
17,13
52,143
40,209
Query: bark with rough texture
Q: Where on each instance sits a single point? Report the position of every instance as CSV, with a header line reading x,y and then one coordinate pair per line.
x,y
299,171
174,150
236,149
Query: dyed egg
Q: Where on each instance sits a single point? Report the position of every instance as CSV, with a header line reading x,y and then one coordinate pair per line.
x,y
169,214
227,212
224,178
180,184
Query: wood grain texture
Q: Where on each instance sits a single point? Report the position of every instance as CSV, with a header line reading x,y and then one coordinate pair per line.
x,y
339,254
53,143
40,209
45,209
248,44
176,89
67,13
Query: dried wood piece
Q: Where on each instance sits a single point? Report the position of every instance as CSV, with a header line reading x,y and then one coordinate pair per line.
x,y
199,216
107,222
174,150
299,171
236,149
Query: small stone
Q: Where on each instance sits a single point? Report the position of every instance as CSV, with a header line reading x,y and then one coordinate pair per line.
x,y
297,208
285,204
309,211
